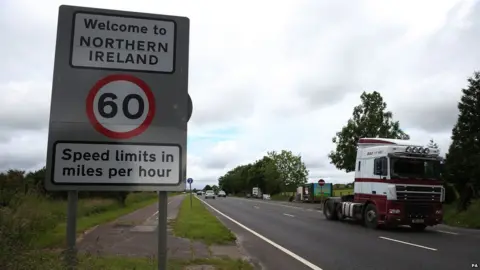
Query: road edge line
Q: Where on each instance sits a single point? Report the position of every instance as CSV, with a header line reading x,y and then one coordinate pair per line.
x,y
284,250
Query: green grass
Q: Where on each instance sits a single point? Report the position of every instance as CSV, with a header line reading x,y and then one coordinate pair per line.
x,y
280,197
342,192
467,219
199,224
92,212
53,261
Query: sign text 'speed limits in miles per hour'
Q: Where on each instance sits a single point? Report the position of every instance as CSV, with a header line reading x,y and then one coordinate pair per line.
x,y
116,163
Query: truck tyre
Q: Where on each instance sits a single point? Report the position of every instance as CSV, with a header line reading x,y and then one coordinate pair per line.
x,y
370,217
329,210
418,227
338,209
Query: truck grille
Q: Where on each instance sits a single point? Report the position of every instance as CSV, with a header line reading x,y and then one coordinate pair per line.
x,y
418,210
418,193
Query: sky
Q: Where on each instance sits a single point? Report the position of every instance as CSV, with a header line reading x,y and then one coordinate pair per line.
x,y
266,75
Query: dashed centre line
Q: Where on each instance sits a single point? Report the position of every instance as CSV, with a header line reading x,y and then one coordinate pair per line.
x,y
453,233
288,215
407,243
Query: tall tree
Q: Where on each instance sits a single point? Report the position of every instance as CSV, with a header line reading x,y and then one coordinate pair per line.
x,y
207,187
291,169
432,144
463,158
370,119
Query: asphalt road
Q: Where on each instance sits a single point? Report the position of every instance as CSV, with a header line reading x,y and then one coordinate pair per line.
x,y
288,236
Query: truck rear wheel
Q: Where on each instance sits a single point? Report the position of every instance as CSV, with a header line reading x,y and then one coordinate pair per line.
x,y
370,217
329,210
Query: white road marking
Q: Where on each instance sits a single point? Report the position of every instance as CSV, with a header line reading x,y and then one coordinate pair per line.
x,y
454,233
286,251
407,243
289,215
256,207
157,211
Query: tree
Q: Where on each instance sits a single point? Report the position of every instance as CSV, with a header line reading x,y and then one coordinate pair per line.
x,y
432,144
207,187
195,190
463,158
215,188
370,119
291,169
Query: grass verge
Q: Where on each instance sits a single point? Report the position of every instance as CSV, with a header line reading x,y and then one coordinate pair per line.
x,y
280,197
467,219
103,211
52,261
198,223
342,192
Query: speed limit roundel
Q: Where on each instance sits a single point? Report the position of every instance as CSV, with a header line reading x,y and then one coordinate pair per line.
x,y
120,106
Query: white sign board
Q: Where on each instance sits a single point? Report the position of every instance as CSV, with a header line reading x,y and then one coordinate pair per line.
x,y
116,163
113,42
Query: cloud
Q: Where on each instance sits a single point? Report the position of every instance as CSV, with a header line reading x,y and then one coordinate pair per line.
x,y
267,75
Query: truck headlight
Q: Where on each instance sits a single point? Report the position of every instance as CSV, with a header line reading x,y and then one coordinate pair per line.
x,y
394,211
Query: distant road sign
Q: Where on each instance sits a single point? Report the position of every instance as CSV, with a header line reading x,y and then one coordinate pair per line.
x,y
120,103
321,182
120,106
189,180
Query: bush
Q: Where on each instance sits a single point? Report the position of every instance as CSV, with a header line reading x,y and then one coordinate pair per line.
x,y
450,193
20,224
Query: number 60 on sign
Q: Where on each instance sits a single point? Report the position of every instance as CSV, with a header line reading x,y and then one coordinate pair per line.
x,y
120,106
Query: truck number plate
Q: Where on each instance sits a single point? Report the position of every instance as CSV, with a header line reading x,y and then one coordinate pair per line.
x,y
417,220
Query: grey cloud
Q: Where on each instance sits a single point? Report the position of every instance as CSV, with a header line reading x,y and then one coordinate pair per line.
x,y
216,162
432,117
21,162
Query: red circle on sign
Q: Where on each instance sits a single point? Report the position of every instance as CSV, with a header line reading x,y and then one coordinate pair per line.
x,y
115,134
321,182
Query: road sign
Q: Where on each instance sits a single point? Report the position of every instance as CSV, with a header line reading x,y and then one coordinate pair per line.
x,y
190,108
120,106
189,180
120,103
321,182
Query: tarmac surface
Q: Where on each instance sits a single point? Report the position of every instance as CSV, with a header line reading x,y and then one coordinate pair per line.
x,y
283,235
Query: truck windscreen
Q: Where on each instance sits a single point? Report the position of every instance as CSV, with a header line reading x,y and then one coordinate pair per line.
x,y
415,168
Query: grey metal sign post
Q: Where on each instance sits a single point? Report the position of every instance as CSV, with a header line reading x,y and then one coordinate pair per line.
x,y
119,107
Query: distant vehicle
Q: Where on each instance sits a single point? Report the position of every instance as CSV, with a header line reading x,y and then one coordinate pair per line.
x,y
266,196
222,193
209,194
257,193
396,183
199,193
249,195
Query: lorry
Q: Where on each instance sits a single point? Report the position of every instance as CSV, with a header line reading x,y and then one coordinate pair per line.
x,y
257,193
397,182
312,192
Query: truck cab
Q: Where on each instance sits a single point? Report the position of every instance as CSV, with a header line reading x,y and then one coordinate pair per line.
x,y
397,182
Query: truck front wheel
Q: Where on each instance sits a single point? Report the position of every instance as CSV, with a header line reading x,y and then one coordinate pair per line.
x,y
329,210
370,217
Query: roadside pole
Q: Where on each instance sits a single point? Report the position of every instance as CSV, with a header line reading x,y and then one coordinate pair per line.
x,y
162,230
118,116
321,182
71,252
190,181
